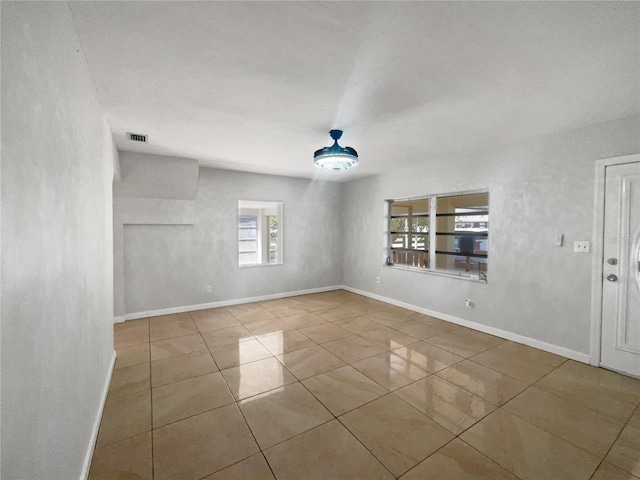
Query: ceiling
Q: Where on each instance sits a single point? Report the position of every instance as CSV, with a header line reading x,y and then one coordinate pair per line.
x,y
256,86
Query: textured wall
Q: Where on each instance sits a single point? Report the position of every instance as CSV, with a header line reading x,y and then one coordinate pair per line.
x,y
57,169
171,265
537,191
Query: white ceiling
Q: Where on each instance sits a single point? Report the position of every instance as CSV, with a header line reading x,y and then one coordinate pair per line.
x,y
256,86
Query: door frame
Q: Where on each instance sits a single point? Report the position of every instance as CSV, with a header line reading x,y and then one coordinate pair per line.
x,y
598,251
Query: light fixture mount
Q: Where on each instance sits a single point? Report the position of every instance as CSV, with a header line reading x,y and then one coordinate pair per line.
x,y
335,157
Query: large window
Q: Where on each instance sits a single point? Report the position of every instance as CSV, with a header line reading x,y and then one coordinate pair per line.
x,y
259,233
441,233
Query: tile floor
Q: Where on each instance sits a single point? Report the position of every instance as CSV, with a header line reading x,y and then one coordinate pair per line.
x,y
335,385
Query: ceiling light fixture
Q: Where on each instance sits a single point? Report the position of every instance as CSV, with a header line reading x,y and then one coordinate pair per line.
x,y
335,157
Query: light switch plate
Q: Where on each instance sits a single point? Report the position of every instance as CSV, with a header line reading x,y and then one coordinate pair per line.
x,y
559,239
582,247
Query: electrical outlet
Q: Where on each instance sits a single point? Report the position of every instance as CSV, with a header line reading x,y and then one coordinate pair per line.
x,y
209,289
468,303
377,279
582,247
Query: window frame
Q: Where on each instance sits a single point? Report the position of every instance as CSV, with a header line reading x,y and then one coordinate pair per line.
x,y
259,210
433,232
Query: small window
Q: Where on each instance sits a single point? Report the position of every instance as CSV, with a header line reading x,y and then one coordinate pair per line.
x,y
441,233
259,233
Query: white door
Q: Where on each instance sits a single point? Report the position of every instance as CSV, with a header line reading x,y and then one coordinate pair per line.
x,y
620,348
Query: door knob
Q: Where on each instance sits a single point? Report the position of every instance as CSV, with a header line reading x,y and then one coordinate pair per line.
x,y
612,278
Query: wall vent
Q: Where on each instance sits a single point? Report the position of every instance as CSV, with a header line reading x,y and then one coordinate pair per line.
x,y
137,137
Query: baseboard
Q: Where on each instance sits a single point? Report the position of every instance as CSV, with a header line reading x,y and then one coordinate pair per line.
x,y
531,342
224,303
96,423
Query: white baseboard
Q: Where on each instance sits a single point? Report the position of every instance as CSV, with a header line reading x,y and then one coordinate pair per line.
x,y
96,423
531,342
224,303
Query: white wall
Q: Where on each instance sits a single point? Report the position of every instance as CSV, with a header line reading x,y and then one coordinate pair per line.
x,y
57,299
537,191
169,261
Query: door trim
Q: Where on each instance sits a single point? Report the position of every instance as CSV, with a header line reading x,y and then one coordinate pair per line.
x,y
598,251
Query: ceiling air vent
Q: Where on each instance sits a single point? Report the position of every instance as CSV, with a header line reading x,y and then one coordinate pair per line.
x,y
137,137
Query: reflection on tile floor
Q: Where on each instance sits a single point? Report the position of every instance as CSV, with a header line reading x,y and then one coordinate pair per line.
x,y
336,385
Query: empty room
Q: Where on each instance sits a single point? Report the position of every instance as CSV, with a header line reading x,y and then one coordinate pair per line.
x,y
320,240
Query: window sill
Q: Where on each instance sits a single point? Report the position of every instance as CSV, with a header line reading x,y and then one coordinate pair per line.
x,y
470,277
249,265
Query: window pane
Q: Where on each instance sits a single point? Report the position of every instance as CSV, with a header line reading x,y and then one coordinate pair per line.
x,y
461,263
411,207
260,232
462,227
410,258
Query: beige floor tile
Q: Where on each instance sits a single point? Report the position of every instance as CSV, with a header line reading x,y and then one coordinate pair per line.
x,y
128,459
339,313
280,302
252,468
177,346
304,320
607,392
459,344
436,322
233,355
132,355
512,364
132,332
532,353
249,312
625,453
528,451
343,389
169,326
634,421
458,461
124,417
318,305
388,338
579,425
280,414
181,367
396,433
286,310
201,445
311,361
325,332
268,326
450,406
131,379
492,386
482,337
189,397
418,329
390,370
285,342
427,356
226,336
392,316
257,377
353,348
326,452
357,324
606,471
213,319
